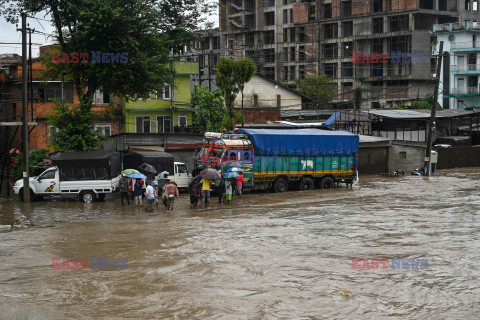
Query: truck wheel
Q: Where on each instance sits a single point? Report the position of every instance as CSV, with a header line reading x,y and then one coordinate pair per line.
x,y
280,186
87,196
32,195
327,183
306,184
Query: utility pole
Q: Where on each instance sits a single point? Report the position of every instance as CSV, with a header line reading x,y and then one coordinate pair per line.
x,y
26,184
209,72
431,124
30,70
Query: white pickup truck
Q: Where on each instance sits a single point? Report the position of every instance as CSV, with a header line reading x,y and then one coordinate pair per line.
x,y
181,175
48,183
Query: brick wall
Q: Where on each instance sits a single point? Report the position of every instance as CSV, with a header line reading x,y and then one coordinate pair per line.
x,y
335,8
311,33
254,115
360,7
311,52
311,69
403,5
300,12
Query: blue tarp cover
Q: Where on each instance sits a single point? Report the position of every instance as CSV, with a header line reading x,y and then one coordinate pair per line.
x,y
302,142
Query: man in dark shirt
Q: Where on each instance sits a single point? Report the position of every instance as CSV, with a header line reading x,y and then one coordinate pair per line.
x,y
124,188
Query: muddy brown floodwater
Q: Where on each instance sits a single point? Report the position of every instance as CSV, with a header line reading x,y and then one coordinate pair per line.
x,y
269,256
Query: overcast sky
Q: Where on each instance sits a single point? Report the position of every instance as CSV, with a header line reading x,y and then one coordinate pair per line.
x,y
9,33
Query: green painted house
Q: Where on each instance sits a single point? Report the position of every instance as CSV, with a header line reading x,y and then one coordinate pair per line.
x,y
163,112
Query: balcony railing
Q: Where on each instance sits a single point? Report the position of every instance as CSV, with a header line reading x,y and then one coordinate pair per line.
x,y
466,67
466,45
466,90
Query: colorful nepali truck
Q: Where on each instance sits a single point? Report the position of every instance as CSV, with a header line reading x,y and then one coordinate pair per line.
x,y
276,160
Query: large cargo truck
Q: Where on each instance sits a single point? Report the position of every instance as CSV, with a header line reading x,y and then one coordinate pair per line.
x,y
276,160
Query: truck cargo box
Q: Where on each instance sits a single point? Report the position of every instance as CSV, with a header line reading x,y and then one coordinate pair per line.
x,y
87,165
302,142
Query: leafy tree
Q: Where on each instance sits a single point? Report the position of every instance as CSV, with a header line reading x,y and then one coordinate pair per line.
x,y
209,112
320,88
35,157
145,30
75,128
424,104
232,74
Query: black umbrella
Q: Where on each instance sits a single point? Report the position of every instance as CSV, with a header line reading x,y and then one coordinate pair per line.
x,y
148,168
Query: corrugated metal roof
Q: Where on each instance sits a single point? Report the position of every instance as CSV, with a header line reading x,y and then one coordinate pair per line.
x,y
420,113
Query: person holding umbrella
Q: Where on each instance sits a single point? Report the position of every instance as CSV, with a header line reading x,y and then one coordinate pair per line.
x,y
207,176
228,190
194,189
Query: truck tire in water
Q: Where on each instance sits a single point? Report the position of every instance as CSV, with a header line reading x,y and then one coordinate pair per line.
x,y
306,184
327,183
32,195
281,185
87,196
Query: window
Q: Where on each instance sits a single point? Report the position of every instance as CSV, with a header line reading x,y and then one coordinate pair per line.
x,y
285,16
163,124
347,28
165,93
292,53
52,129
279,100
144,97
347,69
101,98
311,12
269,18
181,168
48,175
292,73
269,37
182,121
347,48
255,100
377,6
327,10
475,5
330,70
301,53
377,25
402,155
143,124
330,51
467,5
301,71
301,34
346,8
399,23
291,15
105,130
330,30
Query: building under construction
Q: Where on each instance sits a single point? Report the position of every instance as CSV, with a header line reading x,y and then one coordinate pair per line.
x,y
380,46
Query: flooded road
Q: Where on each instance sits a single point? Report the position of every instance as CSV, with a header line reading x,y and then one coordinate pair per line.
x,y
268,256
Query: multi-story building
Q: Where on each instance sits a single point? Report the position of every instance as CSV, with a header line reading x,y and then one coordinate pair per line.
x,y
460,70
205,51
367,44
163,112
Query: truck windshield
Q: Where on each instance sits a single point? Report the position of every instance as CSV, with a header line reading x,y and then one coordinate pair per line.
x,y
48,175
181,168
219,153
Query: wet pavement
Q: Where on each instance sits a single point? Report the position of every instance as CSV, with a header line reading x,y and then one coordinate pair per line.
x,y
268,256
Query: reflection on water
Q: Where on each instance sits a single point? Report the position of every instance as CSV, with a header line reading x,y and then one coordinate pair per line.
x,y
267,256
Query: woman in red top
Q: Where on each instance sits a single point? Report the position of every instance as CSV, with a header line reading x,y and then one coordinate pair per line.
x,y
239,184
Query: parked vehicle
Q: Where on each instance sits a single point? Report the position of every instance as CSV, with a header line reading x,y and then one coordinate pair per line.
x,y
276,160
161,161
87,175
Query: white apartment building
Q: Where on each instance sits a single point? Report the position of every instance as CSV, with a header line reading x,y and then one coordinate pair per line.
x,y
459,77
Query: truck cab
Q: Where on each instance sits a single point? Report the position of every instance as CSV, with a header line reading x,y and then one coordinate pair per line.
x,y
46,183
181,175
223,151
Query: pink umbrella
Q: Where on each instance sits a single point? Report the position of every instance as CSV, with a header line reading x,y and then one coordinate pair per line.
x,y
14,150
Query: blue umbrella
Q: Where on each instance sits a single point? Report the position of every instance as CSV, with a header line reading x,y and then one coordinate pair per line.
x,y
196,179
232,174
234,169
137,176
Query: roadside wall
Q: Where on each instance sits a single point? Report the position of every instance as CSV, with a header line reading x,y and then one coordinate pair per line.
x,y
468,156
406,157
372,160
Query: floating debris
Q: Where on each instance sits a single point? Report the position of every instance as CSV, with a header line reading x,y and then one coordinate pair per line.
x,y
347,293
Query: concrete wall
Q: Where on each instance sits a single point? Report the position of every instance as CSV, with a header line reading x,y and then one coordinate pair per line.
x,y
458,157
372,160
414,157
267,95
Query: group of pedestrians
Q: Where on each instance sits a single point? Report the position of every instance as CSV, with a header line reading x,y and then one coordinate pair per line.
x,y
165,190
